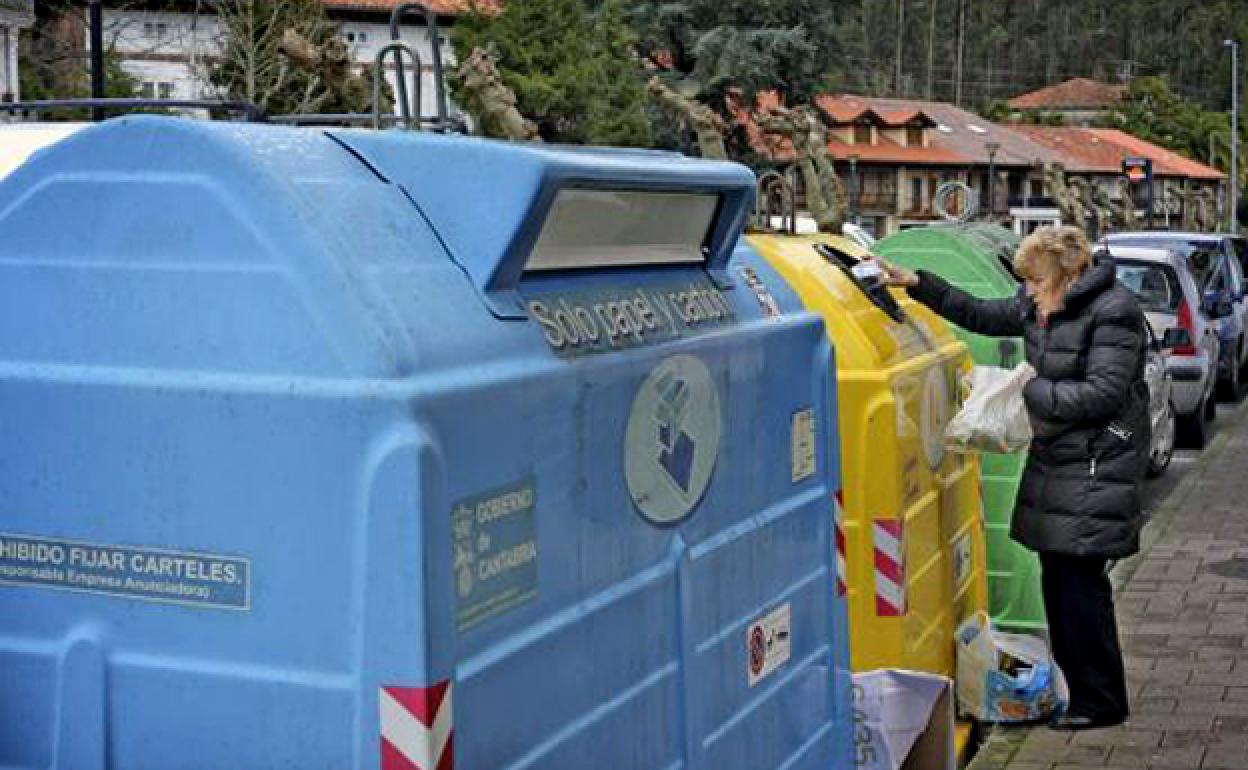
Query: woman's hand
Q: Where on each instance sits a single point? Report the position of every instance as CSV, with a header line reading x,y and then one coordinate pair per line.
x,y
894,275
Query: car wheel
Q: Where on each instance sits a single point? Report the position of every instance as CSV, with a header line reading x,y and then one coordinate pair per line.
x,y
1196,428
1163,443
1232,388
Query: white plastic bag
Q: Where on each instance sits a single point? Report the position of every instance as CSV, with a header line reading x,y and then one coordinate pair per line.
x,y
1005,677
994,417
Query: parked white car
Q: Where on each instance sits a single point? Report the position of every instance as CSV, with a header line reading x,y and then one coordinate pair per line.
x,y
1163,283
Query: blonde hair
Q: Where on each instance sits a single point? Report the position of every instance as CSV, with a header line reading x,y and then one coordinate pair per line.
x,y
1058,254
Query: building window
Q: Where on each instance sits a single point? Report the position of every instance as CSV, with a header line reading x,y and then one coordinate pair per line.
x,y
362,37
862,133
916,193
1037,188
155,29
914,136
156,90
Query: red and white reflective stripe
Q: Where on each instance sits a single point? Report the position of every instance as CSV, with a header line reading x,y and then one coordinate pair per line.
x,y
841,568
416,728
890,568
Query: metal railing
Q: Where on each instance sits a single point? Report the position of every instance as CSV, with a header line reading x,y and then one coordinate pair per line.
x,y
249,111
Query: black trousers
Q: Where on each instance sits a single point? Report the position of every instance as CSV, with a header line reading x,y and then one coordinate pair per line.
x,y
1083,631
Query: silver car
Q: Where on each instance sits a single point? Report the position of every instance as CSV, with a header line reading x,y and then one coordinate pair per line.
x,y
1163,283
1218,262
1160,406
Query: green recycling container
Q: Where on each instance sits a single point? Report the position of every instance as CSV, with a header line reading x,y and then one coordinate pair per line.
x,y
977,258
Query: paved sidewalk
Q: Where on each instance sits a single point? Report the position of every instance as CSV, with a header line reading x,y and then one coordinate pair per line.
x,y
1183,616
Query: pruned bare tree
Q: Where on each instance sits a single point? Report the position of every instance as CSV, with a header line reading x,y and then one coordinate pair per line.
x,y
285,57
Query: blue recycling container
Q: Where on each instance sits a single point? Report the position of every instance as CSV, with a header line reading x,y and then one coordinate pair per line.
x,y
342,449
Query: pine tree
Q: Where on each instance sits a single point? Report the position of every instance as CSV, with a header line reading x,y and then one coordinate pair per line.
x,y
578,79
789,46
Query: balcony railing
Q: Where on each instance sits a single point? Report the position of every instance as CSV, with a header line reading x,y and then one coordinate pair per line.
x,y
877,201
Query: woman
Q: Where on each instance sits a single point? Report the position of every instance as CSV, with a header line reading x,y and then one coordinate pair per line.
x,y
1078,504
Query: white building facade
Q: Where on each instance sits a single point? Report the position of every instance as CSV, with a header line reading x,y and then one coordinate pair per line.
x,y
170,53
15,15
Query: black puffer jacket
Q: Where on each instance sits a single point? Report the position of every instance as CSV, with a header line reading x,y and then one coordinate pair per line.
x,y
1088,405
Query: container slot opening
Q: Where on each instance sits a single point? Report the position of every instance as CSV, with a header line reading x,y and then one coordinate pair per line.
x,y
870,283
600,228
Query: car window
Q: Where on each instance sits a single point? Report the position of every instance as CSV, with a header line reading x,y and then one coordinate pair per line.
x,y
1156,287
1203,263
1240,246
1217,278
1235,273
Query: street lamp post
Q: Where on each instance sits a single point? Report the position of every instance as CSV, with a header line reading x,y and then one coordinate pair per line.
x,y
1234,203
993,148
853,188
96,21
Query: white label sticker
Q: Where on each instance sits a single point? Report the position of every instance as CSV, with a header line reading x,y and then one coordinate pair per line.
x,y
962,560
768,644
803,443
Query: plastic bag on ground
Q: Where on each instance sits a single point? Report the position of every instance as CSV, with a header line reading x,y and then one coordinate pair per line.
x,y
994,417
1005,677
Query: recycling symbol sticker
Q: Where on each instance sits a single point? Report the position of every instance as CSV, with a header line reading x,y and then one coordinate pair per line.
x,y
672,440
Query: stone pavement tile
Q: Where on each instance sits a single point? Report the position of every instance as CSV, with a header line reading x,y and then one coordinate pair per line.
x,y
1172,628
1144,756
1154,705
1168,676
1160,721
1218,671
1204,692
1216,707
1043,740
1229,627
1229,606
1139,663
1231,725
1207,644
1226,758
1119,736
1215,651
1071,754
1226,742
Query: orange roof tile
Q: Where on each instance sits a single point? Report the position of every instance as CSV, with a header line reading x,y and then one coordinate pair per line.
x,y
888,151
1169,160
955,131
1077,149
1102,150
1076,93
842,109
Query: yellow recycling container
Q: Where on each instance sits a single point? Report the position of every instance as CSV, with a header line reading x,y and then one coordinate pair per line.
x,y
912,520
